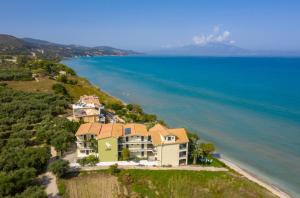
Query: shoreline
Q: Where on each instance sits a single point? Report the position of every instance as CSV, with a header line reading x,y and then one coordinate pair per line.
x,y
270,187
234,166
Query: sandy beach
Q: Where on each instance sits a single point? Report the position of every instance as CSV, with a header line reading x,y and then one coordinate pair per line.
x,y
249,176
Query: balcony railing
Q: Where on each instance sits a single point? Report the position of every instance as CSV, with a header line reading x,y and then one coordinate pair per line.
x,y
182,146
135,142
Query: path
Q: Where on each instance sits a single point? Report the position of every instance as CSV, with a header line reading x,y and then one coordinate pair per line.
x,y
191,168
48,179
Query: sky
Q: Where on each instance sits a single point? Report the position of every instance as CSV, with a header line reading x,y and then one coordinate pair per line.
x,y
154,24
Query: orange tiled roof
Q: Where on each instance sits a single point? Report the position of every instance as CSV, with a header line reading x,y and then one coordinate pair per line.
x,y
111,130
136,129
159,131
89,128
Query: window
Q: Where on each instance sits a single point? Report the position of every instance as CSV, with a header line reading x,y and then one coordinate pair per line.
x,y
142,138
142,154
149,138
169,138
126,139
127,131
92,136
84,137
143,146
84,145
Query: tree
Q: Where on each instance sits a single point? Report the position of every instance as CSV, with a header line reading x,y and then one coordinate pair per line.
x,y
62,78
207,148
34,192
194,146
94,144
196,152
16,181
59,89
62,141
125,154
59,167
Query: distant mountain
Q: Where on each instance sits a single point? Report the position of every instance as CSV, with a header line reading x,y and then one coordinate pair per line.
x,y
221,49
210,49
13,45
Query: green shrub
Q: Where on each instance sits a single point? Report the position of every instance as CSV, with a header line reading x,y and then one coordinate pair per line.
x,y
59,168
90,160
59,89
113,169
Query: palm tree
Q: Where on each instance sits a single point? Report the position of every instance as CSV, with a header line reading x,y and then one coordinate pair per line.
x,y
196,152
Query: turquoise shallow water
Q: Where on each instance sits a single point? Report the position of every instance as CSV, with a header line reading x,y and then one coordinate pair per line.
x,y
250,107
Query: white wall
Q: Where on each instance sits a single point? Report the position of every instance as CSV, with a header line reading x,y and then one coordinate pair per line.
x,y
168,154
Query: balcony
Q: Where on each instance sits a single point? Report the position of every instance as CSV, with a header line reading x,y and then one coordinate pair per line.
x,y
183,146
183,154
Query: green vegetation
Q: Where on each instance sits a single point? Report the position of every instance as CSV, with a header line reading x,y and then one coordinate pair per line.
x,y
29,122
113,169
125,154
181,184
58,88
43,85
59,167
90,160
15,74
48,67
161,184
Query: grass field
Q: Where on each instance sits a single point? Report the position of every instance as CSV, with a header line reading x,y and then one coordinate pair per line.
x,y
93,186
83,87
43,85
163,184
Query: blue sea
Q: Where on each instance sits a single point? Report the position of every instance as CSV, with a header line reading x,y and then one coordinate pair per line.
x,y
248,106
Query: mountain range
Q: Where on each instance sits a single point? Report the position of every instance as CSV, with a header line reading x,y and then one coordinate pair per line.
x,y
13,45
219,49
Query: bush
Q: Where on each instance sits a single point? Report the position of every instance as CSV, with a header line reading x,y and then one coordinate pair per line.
x,y
113,169
59,168
62,78
90,160
59,89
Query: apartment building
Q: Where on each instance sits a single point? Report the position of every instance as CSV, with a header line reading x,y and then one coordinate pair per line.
x,y
88,109
166,146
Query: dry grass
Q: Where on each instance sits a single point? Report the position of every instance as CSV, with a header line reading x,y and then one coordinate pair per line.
x,y
93,186
43,85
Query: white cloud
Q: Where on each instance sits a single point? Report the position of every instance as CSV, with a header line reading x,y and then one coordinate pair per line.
x,y
216,37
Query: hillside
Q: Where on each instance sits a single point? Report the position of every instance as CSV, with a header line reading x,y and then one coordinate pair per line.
x,y
10,45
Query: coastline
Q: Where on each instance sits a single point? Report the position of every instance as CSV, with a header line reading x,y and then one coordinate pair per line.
x,y
273,189
232,165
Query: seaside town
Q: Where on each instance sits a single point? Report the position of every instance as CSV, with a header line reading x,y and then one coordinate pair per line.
x,y
149,99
